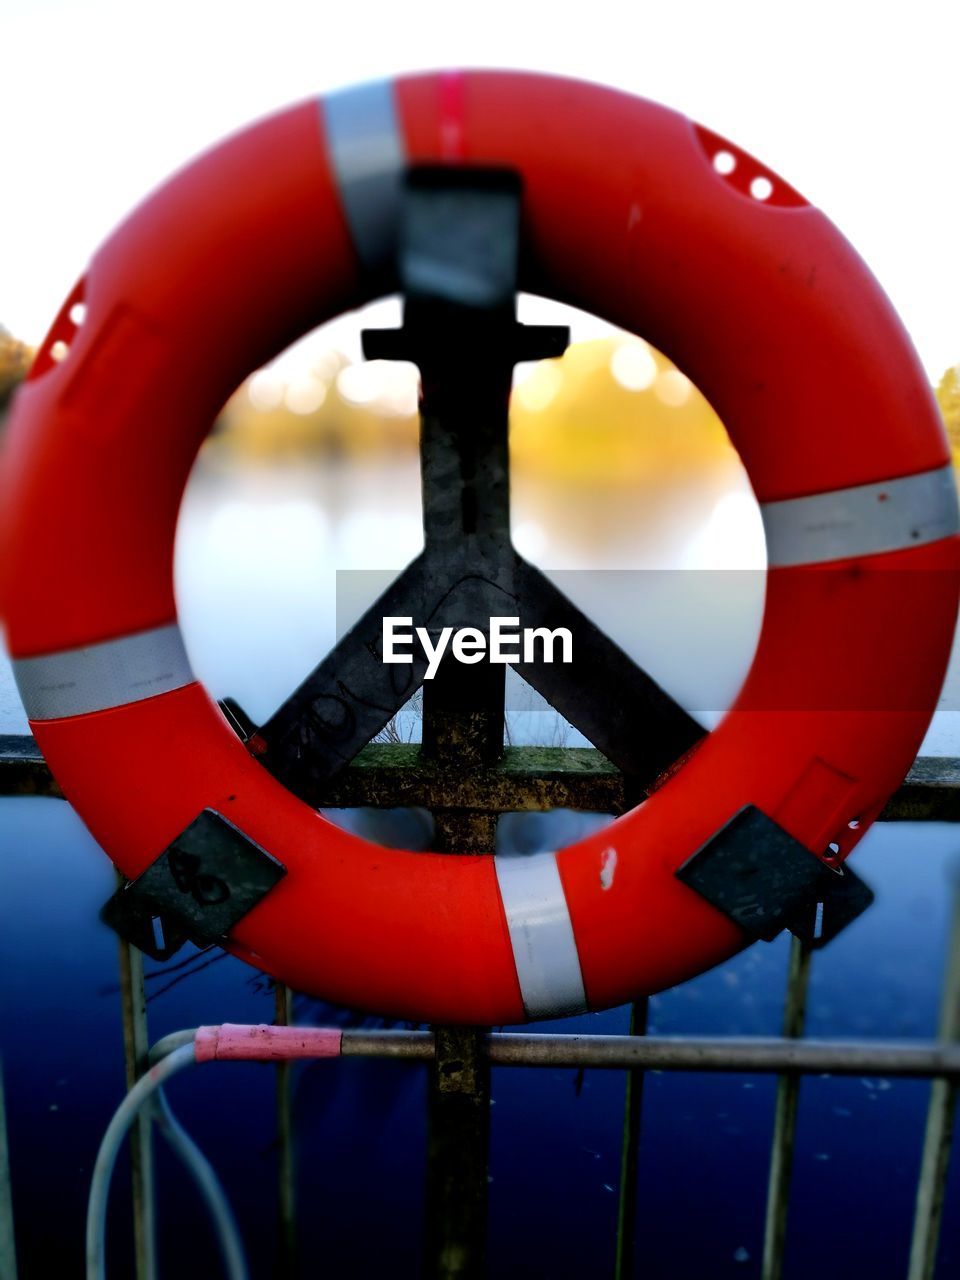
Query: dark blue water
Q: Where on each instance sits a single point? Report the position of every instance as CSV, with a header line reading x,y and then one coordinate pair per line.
x,y
555,1139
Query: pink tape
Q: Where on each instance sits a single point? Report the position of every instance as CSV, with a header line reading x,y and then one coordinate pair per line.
x,y
232,1042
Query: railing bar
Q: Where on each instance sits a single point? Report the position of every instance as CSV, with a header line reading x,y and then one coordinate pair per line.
x,y
286,1174
630,1154
136,1051
920,1059
757,1055
785,1118
929,793
8,1247
938,1135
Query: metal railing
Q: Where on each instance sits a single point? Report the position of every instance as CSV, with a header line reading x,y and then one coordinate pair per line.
x,y
931,791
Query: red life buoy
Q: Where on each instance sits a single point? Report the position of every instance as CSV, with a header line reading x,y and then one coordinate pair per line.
x,y
760,301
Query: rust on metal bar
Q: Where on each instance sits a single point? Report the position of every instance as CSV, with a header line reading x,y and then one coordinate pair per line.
x,y
785,1118
758,1055
136,1053
761,1055
929,793
286,1168
624,1261
458,1098
391,775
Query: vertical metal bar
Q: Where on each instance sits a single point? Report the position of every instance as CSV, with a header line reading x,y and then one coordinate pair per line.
x,y
785,1118
629,1154
136,1047
286,1183
8,1247
462,226
937,1139
459,1134
458,1106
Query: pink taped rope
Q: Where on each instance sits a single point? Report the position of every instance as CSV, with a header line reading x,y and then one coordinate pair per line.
x,y
232,1042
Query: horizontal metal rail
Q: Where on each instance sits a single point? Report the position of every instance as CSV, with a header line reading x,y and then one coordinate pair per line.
x,y
760,1055
527,777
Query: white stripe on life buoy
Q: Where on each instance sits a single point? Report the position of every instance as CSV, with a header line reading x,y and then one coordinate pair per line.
x,y
96,677
865,520
541,934
368,156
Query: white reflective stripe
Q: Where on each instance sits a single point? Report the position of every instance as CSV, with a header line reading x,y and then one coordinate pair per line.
x,y
75,682
368,157
862,521
544,948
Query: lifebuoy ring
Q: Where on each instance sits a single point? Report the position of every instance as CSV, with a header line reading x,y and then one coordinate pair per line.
x,y
761,302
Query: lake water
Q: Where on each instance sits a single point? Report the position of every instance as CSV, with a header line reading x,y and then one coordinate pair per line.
x,y
260,555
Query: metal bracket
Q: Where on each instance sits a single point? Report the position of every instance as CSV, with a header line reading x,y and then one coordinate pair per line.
x,y
197,890
756,873
458,265
237,718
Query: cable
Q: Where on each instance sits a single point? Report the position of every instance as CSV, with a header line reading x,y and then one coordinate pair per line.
x,y
141,1093
175,1052
208,1184
148,1091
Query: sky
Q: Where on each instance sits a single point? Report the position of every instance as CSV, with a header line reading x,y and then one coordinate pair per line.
x,y
853,103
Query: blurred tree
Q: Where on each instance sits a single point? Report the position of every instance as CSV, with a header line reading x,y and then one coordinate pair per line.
x,y
948,398
15,359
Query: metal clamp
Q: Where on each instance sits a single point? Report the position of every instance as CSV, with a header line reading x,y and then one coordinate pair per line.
x,y
756,873
197,890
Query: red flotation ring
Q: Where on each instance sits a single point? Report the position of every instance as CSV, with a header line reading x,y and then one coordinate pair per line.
x,y
759,300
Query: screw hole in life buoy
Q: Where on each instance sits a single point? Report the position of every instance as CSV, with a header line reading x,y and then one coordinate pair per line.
x,y
746,175
838,848
833,854
56,346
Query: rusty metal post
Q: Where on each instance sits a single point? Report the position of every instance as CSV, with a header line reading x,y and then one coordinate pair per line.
x,y
457,1151
785,1118
462,724
630,1153
286,1174
136,1049
937,1139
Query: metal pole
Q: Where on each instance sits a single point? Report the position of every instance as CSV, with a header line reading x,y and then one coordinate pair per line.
x,y
136,1049
459,1134
8,1246
463,721
752,1055
286,1177
935,1161
785,1118
629,1153
757,1055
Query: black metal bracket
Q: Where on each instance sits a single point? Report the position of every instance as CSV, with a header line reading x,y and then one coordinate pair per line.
x,y
458,266
237,718
756,873
202,885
